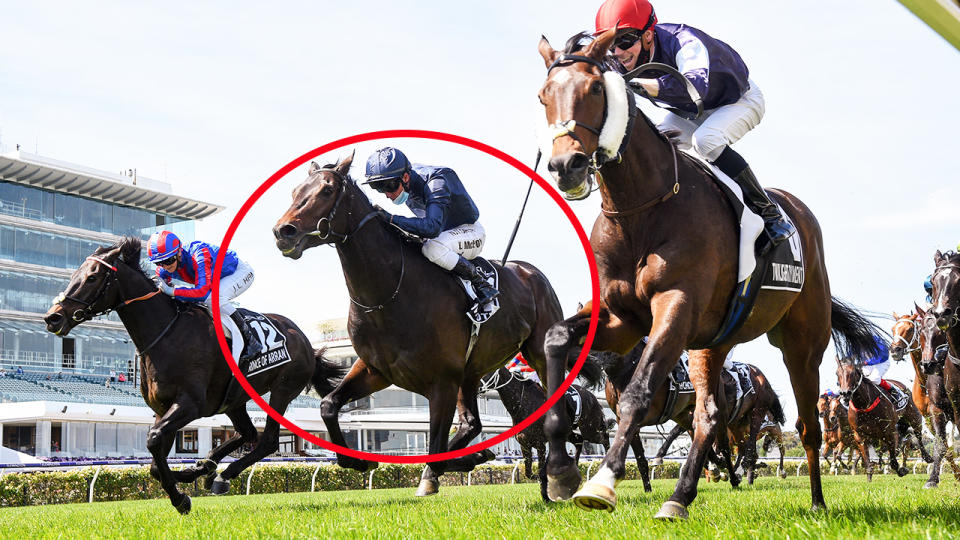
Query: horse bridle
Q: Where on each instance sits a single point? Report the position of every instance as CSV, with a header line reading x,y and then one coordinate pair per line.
x,y
909,346
328,219
599,158
954,319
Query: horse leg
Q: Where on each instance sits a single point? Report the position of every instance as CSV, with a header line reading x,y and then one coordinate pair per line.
x,y
468,429
637,445
893,445
564,339
443,402
527,452
938,425
705,368
658,358
159,441
865,457
750,451
361,381
542,472
665,447
781,472
246,433
916,425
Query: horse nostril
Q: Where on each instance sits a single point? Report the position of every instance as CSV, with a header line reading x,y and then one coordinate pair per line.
x,y
53,319
578,162
285,231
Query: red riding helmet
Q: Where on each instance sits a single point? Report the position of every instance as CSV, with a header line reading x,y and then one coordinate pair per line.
x,y
636,14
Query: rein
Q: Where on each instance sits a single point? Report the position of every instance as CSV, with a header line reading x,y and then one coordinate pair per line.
x,y
909,345
341,238
380,306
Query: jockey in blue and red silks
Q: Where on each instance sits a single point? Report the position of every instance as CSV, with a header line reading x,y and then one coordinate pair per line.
x,y
193,264
876,367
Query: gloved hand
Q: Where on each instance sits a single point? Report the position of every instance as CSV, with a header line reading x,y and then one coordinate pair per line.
x,y
165,288
383,214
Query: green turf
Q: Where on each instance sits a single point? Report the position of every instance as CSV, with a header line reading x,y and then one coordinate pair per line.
x,y
890,507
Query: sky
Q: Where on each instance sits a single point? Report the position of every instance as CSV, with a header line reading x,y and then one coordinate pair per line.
x,y
214,97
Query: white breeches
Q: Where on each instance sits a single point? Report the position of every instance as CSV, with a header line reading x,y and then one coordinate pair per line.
x,y
445,250
876,372
720,127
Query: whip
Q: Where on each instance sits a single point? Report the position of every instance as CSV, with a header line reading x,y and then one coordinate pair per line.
x,y
516,226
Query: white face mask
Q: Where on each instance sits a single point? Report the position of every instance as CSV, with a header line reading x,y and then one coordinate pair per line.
x,y
402,198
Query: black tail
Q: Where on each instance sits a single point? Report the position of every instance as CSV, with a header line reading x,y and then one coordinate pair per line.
x,y
327,375
591,373
853,335
776,409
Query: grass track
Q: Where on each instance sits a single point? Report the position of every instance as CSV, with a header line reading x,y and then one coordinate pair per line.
x,y
890,507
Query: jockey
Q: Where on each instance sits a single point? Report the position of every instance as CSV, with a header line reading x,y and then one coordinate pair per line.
x,y
928,287
875,367
732,370
194,265
733,104
519,365
445,214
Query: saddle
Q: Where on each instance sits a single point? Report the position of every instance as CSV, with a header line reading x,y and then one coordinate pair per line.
x,y
477,313
742,373
898,398
680,383
761,265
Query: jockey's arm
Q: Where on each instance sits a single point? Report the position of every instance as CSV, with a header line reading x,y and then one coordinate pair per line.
x,y
431,224
203,260
693,61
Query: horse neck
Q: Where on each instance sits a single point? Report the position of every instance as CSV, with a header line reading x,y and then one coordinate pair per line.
x,y
143,319
647,169
865,395
369,257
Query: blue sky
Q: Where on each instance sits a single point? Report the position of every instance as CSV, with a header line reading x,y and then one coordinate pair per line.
x,y
214,97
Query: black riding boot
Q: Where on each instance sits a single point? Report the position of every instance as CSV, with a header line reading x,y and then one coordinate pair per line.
x,y
250,339
734,166
469,271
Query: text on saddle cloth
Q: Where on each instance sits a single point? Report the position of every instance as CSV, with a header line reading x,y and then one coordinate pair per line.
x,y
273,351
480,314
574,404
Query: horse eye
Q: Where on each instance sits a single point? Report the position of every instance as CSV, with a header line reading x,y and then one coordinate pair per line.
x,y
596,88
326,191
91,277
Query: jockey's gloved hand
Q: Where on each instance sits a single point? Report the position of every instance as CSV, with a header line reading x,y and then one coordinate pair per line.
x,y
165,287
383,214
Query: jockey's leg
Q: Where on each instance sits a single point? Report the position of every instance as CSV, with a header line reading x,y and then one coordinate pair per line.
x,y
725,126
452,251
231,287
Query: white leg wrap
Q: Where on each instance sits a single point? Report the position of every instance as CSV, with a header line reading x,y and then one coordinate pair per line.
x,y
605,477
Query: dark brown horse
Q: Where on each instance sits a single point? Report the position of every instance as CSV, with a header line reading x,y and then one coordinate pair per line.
x,y
407,316
521,397
874,419
666,250
909,338
184,375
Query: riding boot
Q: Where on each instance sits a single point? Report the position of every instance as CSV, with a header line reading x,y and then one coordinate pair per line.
x,y
734,166
250,339
471,272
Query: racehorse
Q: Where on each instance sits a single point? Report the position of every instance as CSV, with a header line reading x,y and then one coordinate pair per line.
x,y
407,317
521,397
184,375
873,418
908,338
667,257
837,435
939,364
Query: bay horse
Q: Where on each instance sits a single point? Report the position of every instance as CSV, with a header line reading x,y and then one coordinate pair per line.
x,y
521,397
184,375
837,435
939,365
407,316
667,257
873,418
908,338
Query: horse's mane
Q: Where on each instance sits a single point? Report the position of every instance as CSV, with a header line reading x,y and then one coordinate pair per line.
x,y
130,247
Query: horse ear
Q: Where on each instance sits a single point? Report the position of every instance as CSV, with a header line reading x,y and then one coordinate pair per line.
x,y
919,309
343,166
598,48
547,52
937,257
314,167
895,316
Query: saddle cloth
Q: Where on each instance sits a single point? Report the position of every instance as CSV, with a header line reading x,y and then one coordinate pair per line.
x,y
899,398
574,404
477,313
741,375
759,265
273,351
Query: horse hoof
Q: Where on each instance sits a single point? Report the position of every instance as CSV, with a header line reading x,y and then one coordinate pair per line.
x,y
596,496
672,510
656,461
208,481
220,486
930,485
428,487
486,455
184,506
562,486
902,471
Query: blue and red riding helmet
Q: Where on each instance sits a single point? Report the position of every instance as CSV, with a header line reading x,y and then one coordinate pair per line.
x,y
162,245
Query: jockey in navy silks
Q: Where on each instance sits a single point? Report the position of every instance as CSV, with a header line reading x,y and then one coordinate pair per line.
x,y
445,215
732,103
193,264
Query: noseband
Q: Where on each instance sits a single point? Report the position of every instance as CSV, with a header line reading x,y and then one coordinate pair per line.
x,y
914,344
953,319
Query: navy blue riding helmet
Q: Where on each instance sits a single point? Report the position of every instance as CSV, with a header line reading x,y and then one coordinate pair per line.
x,y
386,164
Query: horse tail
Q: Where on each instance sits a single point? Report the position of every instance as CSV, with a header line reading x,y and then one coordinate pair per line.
x,y
776,409
327,374
591,372
611,424
853,335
